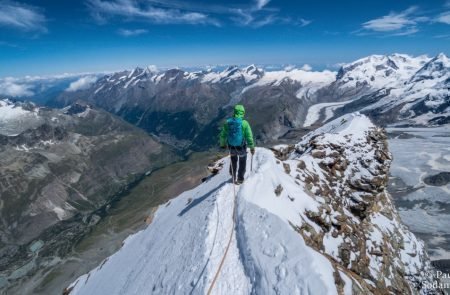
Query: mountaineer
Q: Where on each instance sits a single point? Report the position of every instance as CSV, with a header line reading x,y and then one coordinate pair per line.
x,y
235,135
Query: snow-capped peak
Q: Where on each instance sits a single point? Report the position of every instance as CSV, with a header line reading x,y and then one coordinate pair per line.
x,y
436,68
378,71
442,56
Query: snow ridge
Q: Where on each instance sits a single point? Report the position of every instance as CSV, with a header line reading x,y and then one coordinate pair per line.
x,y
294,215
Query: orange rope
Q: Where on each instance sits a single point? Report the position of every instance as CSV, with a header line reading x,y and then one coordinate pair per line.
x,y
231,235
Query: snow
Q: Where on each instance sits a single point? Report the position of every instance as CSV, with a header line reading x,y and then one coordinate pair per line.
x,y
22,148
309,80
230,74
9,111
98,89
84,113
332,244
233,269
14,119
255,77
410,80
381,71
335,131
129,82
313,114
59,212
260,190
347,283
180,251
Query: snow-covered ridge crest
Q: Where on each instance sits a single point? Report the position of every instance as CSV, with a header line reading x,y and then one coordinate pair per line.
x,y
249,75
318,218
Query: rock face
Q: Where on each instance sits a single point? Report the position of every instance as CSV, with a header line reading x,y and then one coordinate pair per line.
x,y
357,225
54,174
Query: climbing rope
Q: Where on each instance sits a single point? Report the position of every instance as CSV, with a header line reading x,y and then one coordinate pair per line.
x,y
231,234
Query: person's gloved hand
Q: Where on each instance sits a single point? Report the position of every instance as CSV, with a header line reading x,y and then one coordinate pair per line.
x,y
252,150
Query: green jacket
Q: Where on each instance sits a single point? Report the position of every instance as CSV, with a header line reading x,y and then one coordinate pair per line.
x,y
239,112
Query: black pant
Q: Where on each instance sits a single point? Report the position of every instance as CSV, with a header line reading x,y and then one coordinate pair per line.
x,y
241,153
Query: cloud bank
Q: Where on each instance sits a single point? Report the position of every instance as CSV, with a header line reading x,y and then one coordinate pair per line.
x,y
82,83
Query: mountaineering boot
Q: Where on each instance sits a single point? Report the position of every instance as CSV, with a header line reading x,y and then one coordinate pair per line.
x,y
239,181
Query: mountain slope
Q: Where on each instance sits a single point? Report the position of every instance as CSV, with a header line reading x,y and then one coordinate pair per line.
x,y
185,108
57,167
317,220
394,89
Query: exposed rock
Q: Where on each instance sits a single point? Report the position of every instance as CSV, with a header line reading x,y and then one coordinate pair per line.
x,y
318,154
287,168
440,179
282,151
350,173
278,190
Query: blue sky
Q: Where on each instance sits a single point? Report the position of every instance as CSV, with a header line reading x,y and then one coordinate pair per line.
x,y
50,37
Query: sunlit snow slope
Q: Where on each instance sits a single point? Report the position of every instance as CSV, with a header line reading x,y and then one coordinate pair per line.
x,y
291,236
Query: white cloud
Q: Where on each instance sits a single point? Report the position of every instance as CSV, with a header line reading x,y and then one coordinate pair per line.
x,y
149,11
82,83
131,33
409,31
257,19
19,16
261,3
395,23
289,68
256,14
304,22
392,21
403,23
306,67
444,18
442,36
10,87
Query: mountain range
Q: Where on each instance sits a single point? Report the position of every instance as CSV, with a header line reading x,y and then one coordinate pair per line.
x,y
184,109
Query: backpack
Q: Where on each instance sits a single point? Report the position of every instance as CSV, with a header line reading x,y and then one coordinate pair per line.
x,y
235,134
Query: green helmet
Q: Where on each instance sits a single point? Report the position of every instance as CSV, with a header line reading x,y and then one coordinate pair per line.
x,y
239,111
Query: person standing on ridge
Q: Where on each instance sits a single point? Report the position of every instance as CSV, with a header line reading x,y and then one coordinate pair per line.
x,y
235,135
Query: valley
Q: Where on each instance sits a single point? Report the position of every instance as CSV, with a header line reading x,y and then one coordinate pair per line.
x,y
125,216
